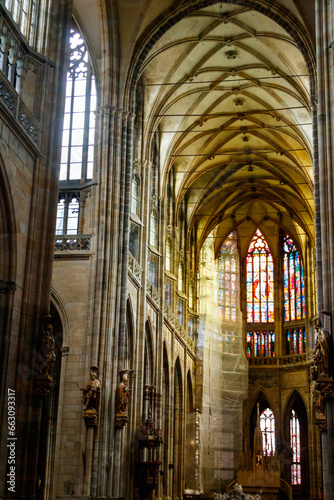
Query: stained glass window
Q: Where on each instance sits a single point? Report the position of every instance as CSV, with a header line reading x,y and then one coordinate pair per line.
x,y
267,425
294,288
260,343
79,119
296,341
260,281
296,476
226,264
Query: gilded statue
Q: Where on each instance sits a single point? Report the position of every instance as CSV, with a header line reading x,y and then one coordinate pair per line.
x,y
91,393
123,393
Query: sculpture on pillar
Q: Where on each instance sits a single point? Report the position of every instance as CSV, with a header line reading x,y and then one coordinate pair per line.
x,y
321,373
45,362
91,398
321,355
122,397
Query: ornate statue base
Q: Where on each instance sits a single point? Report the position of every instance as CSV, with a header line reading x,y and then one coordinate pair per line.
x,y
90,417
323,389
120,420
43,384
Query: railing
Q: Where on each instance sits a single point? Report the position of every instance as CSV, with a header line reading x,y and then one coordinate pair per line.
x,y
135,268
281,360
15,58
153,293
11,100
183,334
77,242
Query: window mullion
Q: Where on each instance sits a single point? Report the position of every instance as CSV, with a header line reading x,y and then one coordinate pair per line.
x,y
70,128
86,124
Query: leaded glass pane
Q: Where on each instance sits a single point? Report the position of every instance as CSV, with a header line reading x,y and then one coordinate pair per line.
x,y
294,288
259,281
226,264
267,425
296,478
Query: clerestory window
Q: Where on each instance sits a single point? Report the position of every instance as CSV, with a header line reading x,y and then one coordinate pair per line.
x,y
77,153
25,15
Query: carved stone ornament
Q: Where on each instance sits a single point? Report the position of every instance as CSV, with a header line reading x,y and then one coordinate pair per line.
x,y
122,397
7,287
148,435
45,362
91,399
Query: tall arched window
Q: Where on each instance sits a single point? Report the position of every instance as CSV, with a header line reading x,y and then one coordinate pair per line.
x,y
227,269
267,425
153,228
294,288
296,473
25,15
260,281
180,277
168,255
135,197
77,152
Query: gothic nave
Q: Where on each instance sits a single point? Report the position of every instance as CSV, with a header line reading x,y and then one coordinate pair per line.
x,y
167,249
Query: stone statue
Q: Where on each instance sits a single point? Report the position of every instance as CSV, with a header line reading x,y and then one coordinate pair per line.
x,y
91,393
46,356
321,355
45,362
123,393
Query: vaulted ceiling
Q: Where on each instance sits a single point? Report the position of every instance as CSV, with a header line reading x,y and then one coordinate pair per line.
x,y
228,90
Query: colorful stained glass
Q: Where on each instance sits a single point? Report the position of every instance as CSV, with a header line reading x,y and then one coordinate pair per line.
x,y
296,341
294,288
260,343
267,425
296,477
226,264
260,281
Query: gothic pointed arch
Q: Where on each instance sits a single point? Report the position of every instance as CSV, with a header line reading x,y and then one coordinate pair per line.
x,y
270,442
295,445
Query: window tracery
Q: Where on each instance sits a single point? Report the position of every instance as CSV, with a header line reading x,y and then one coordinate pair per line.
x,y
68,214
294,288
260,281
267,425
227,268
77,154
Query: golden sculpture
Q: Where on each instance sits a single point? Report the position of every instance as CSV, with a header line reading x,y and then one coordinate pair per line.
x,y
122,397
91,398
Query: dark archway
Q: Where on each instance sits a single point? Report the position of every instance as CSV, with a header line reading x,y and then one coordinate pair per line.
x,y
48,429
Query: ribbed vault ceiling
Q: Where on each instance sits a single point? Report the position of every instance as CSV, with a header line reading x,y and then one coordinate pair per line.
x,y
228,90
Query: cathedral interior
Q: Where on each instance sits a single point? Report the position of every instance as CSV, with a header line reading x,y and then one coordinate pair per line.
x,y
167,249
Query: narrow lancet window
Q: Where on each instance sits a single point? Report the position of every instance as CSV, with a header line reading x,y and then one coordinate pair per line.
x,y
294,288
296,476
227,276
